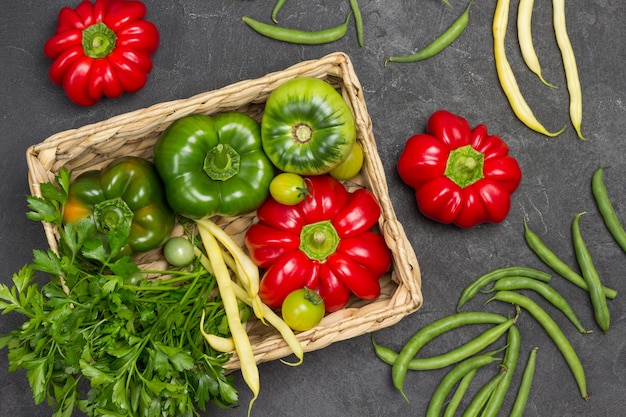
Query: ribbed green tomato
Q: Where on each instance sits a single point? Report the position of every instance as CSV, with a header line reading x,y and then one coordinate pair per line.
x,y
307,127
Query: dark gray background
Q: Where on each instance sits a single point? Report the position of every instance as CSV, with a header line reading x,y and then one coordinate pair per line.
x,y
206,46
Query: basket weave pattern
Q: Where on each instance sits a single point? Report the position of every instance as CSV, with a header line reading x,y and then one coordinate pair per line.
x,y
135,133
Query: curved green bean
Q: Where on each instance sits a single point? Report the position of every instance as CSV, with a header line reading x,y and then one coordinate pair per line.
x,y
524,388
482,396
358,21
277,6
547,292
475,286
429,332
553,330
509,363
451,357
549,258
440,43
299,36
607,211
591,276
459,394
452,377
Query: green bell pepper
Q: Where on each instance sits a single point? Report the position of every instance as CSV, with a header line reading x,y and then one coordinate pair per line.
x,y
126,196
213,165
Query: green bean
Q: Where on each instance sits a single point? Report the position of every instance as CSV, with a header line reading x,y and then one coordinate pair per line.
x,y
591,276
553,330
429,332
440,43
358,21
452,377
482,396
459,394
607,210
299,36
547,292
509,363
451,357
277,6
524,388
474,287
549,258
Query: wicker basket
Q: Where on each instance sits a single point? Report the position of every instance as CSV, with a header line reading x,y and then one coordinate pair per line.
x,y
94,146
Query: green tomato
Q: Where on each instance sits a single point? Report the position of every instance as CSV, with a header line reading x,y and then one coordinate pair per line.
x,y
351,166
178,251
288,188
303,309
307,127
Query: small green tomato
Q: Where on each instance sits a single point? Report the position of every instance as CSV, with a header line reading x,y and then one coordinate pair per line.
x,y
303,309
288,188
351,166
178,251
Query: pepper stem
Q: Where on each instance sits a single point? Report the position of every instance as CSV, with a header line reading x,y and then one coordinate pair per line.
x,y
319,240
222,162
112,215
98,40
465,166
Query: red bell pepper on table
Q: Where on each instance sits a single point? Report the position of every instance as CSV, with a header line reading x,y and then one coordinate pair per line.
x,y
102,49
460,175
323,243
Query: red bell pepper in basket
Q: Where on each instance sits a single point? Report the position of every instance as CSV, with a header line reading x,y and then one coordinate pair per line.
x,y
460,175
102,49
323,243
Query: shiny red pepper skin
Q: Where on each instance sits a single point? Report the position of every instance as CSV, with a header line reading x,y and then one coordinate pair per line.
x,y
102,49
460,175
285,243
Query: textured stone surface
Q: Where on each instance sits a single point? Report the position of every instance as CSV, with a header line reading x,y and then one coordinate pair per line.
x,y
206,46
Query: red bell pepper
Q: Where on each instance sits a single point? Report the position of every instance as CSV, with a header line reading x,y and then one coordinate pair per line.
x,y
324,243
102,49
460,175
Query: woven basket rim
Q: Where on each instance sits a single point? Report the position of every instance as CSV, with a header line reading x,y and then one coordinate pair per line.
x,y
134,132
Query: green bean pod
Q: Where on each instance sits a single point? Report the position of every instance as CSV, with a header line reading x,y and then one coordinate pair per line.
x,y
607,211
475,286
358,21
459,394
509,363
547,292
549,258
277,6
524,388
440,43
429,332
482,396
591,276
452,377
553,330
451,357
299,36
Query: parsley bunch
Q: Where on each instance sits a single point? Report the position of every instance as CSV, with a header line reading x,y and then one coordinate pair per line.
x,y
101,337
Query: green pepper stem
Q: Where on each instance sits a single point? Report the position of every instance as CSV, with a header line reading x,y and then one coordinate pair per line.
x,y
465,166
98,40
222,162
319,240
112,215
